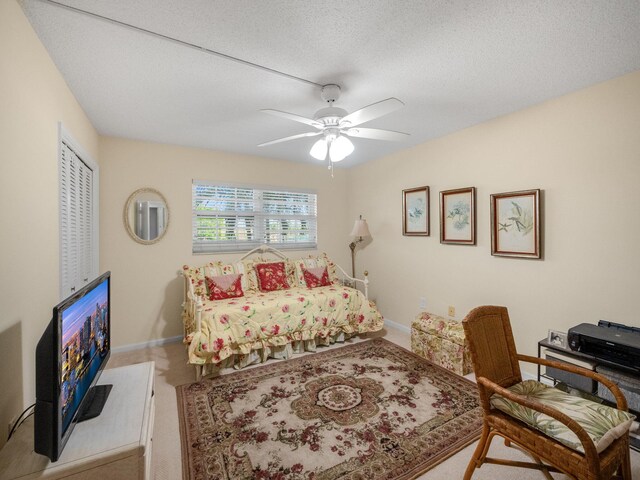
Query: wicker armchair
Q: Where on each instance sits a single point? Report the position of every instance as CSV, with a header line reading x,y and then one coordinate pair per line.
x,y
496,366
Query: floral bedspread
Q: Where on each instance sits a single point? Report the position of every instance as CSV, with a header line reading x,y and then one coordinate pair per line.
x,y
240,325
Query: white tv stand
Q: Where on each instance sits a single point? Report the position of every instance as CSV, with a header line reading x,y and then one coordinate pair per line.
x,y
113,446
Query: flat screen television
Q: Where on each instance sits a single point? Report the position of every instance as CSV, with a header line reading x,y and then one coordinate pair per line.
x,y
70,356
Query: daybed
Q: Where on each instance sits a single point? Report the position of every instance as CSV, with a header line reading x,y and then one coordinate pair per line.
x,y
307,305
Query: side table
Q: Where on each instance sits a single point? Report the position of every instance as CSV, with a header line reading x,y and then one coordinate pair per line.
x,y
113,446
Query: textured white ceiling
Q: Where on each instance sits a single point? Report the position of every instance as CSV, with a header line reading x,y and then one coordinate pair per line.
x,y
453,63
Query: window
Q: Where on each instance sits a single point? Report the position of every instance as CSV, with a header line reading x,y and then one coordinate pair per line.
x,y
78,180
230,218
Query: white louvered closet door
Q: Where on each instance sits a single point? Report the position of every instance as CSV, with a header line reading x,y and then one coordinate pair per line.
x,y
76,222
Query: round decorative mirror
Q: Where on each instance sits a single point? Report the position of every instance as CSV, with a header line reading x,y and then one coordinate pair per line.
x,y
146,216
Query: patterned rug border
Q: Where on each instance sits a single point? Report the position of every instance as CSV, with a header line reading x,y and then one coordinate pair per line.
x,y
291,363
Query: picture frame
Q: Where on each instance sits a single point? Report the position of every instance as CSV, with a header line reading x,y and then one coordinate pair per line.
x,y
557,339
515,224
415,211
458,216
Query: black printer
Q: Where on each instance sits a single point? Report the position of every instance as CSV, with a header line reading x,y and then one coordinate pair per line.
x,y
611,342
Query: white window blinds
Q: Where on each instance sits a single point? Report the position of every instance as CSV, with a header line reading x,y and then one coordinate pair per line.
x,y
229,218
76,222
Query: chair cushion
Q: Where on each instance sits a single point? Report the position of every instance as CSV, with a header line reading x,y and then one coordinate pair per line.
x,y
603,424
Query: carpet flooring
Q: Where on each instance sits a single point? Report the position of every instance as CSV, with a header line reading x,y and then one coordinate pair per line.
x,y
370,410
172,370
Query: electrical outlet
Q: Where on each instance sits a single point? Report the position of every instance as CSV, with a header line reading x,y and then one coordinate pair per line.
x,y
452,311
423,302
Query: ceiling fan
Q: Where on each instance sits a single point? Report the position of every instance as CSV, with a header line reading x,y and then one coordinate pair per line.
x,y
336,125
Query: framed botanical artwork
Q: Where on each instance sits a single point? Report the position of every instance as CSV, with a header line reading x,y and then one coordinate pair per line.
x,y
515,224
458,216
415,211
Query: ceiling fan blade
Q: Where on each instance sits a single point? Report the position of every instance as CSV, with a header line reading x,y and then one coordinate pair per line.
x,y
294,117
372,112
376,134
292,137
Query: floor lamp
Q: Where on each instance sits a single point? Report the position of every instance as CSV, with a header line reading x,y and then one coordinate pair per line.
x,y
360,230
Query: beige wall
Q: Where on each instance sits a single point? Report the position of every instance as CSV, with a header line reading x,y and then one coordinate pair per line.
x,y
33,99
146,290
583,151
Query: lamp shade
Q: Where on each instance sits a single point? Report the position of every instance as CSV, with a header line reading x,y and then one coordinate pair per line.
x,y
319,149
360,229
340,148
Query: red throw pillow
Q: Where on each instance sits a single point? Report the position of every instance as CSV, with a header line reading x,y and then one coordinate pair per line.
x,y
225,286
272,276
316,277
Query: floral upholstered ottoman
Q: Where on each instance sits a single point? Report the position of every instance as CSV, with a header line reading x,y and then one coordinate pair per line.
x,y
442,342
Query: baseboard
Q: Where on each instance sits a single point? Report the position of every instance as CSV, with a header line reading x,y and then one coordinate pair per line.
x,y
397,326
150,343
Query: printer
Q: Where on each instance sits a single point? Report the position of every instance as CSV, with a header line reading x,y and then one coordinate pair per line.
x,y
610,342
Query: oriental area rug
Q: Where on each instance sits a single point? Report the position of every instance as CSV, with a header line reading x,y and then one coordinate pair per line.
x,y
369,410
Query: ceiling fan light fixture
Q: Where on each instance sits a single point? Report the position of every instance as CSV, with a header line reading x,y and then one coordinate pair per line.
x,y
340,148
335,125
319,149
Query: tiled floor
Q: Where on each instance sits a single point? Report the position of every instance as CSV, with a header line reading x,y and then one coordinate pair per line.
x,y
172,370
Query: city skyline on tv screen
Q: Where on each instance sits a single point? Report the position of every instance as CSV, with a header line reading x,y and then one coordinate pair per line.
x,y
84,343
